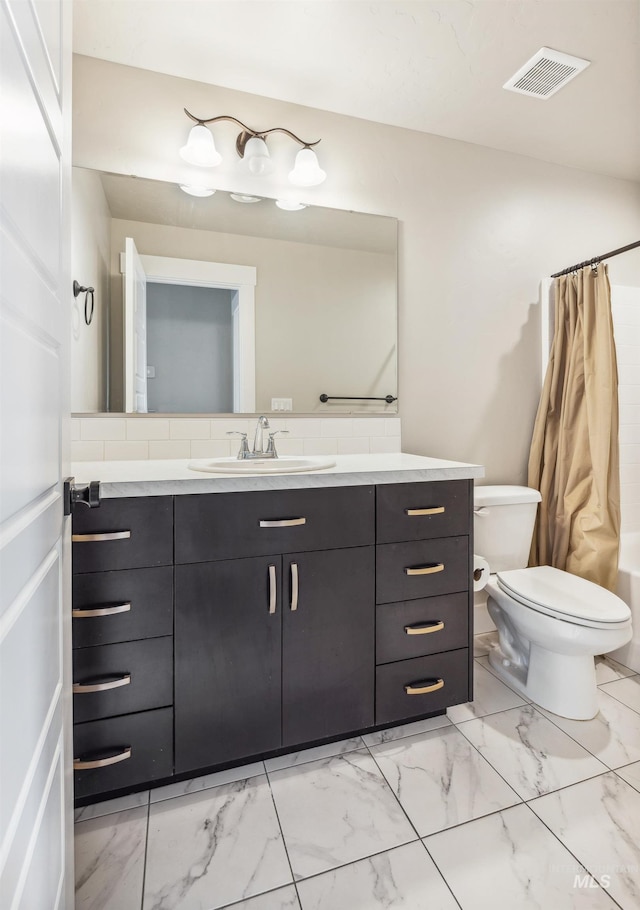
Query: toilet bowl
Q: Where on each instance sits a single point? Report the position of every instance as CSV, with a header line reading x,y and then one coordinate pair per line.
x,y
550,623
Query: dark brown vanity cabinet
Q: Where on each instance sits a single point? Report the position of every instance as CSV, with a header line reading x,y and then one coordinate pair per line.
x,y
277,649
122,608
215,628
424,656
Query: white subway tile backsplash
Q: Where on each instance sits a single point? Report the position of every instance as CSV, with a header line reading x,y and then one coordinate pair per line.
x,y
147,428
384,444
130,450
305,426
103,428
335,427
627,353
212,448
220,427
355,445
135,438
630,473
190,428
629,413
170,448
630,516
629,394
324,446
629,455
368,426
87,451
629,374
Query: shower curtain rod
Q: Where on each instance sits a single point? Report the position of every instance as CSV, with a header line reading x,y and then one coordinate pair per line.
x,y
596,259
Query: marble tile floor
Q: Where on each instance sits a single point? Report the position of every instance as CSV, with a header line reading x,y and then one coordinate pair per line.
x,y
497,805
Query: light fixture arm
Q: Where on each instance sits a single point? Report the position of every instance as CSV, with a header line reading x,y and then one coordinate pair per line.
x,y
247,133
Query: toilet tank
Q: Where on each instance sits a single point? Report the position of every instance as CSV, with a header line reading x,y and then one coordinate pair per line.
x,y
503,520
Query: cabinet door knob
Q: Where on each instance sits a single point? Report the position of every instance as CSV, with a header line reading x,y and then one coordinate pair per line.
x,y
432,510
294,586
94,538
421,688
423,628
281,522
87,612
101,684
424,570
86,764
272,589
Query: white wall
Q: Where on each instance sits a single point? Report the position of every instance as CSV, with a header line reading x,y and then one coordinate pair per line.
x,y
90,246
479,228
626,323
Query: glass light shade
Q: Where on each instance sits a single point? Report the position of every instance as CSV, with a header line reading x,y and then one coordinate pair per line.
x,y
289,206
307,171
242,197
197,190
256,154
200,148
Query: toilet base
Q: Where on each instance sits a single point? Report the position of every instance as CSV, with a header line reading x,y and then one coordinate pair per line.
x,y
561,683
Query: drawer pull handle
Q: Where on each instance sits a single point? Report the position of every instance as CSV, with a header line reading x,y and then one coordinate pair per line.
x,y
294,586
86,612
422,688
272,589
423,628
82,764
434,510
97,686
282,522
108,535
425,570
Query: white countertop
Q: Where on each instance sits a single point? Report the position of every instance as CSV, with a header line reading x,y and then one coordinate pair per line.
x,y
174,477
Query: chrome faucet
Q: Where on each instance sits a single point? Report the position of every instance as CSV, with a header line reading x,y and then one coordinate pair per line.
x,y
258,440
259,450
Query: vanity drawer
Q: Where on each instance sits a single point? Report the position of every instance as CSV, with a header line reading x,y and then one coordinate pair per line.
x,y
418,511
229,525
127,751
423,568
110,607
443,677
123,534
415,628
137,675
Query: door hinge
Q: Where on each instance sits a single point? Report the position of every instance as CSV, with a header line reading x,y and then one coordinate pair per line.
x,y
85,494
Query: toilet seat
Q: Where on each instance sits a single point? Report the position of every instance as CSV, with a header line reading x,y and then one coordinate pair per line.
x,y
565,596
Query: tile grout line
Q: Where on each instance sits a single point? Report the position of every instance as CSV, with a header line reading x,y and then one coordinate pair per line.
x,y
146,849
440,872
284,840
571,853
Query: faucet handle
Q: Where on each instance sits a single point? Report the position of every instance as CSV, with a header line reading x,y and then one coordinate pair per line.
x,y
244,446
271,446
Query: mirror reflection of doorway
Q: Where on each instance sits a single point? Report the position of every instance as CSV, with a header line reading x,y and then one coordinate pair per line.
x,y
189,349
189,335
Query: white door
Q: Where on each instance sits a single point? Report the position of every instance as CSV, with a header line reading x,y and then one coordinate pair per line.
x,y
135,330
35,299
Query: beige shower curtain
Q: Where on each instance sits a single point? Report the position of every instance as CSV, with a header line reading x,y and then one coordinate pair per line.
x,y
574,459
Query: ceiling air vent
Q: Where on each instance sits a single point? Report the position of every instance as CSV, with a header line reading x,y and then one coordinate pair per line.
x,y
546,73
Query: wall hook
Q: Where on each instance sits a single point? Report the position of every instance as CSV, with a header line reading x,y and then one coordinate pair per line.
x,y
88,296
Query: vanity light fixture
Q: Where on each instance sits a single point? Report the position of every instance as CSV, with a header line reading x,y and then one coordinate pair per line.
x,y
246,200
201,191
251,146
288,206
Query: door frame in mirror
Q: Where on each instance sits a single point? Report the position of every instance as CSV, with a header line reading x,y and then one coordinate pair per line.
x,y
239,278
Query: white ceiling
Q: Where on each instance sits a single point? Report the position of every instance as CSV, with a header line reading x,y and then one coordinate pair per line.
x,y
437,66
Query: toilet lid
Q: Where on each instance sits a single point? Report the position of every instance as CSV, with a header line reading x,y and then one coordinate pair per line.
x,y
559,593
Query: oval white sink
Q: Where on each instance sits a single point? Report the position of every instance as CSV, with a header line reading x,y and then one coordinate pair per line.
x,y
281,465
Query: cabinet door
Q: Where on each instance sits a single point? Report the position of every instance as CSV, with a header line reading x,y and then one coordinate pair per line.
x,y
328,643
228,646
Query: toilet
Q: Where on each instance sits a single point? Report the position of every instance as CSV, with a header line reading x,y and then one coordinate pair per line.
x,y
550,623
